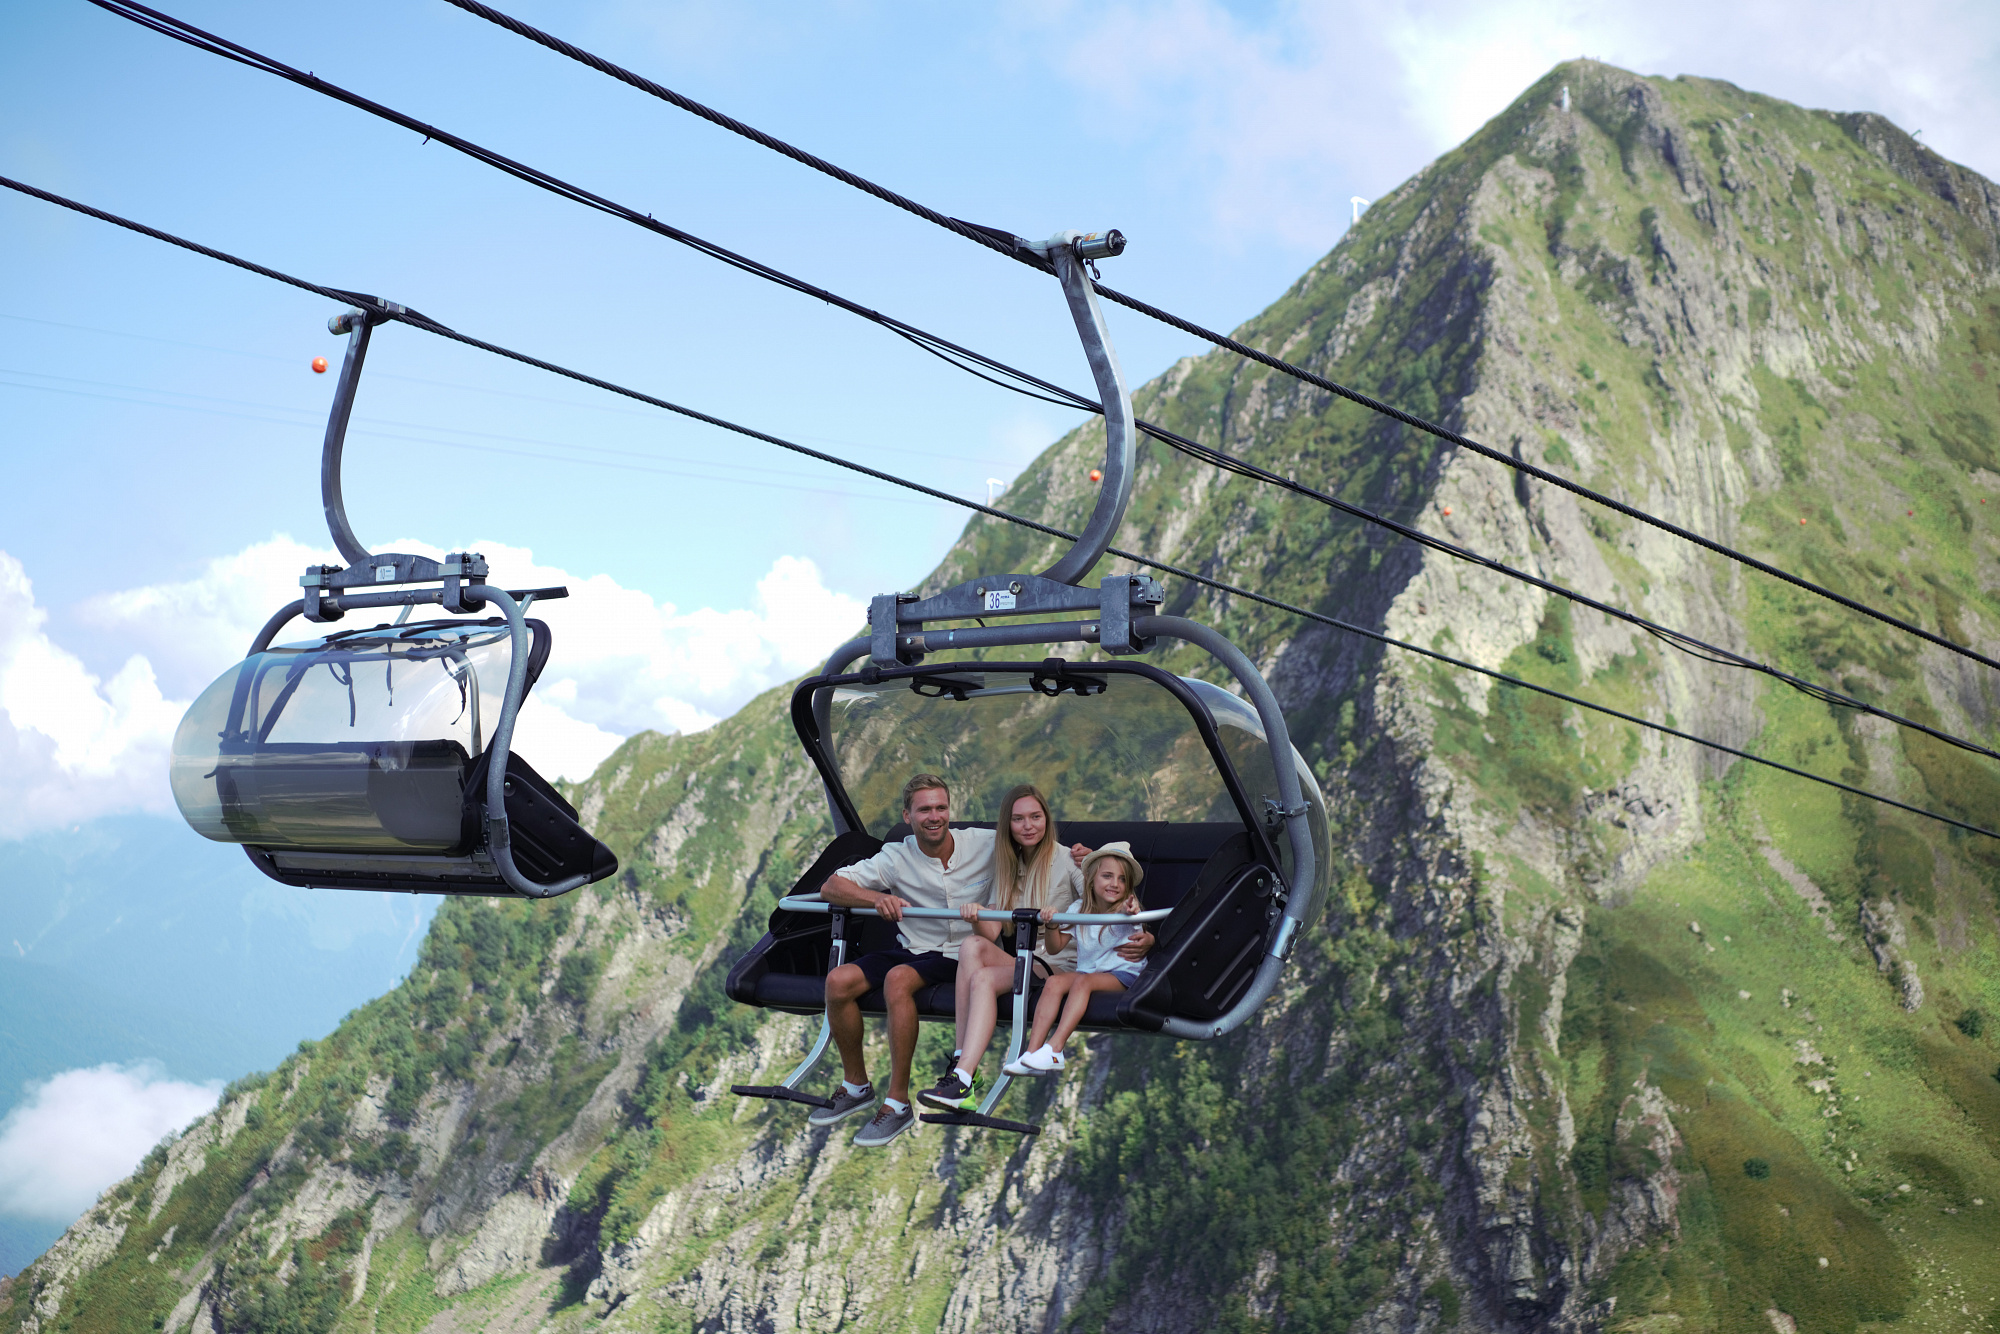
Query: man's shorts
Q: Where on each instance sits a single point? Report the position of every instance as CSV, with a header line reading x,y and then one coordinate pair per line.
x,y
931,965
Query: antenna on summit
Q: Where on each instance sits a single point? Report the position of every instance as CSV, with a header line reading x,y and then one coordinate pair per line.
x,y
1565,101
1357,203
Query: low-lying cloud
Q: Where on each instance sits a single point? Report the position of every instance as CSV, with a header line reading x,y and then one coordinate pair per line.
x,y
83,1130
76,745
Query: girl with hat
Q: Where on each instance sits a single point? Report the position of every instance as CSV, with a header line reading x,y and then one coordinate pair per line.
x,y
1111,877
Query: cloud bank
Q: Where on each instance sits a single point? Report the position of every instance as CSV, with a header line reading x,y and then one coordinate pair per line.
x,y
75,745
83,1130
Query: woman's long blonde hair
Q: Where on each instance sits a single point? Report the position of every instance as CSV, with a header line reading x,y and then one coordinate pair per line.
x,y
1019,883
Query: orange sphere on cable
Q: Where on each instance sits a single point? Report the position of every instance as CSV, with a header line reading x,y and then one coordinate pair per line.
x,y
1096,474
319,365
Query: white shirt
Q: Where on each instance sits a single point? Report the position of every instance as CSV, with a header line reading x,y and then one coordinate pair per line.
x,y
904,870
1097,949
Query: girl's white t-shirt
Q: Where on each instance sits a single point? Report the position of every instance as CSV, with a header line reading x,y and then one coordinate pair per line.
x,y
1097,948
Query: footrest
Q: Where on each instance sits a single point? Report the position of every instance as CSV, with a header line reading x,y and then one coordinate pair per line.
x,y
779,1092
975,1119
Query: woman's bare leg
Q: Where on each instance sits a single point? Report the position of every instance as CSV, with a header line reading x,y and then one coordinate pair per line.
x,y
982,1012
972,956
1077,1001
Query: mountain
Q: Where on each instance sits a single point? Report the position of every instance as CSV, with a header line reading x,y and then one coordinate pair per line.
x,y
1600,1030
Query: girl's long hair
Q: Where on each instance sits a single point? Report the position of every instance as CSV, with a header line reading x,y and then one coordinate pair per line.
x,y
1023,879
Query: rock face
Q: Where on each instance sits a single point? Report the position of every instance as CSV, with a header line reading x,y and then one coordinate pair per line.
x,y
1505,1086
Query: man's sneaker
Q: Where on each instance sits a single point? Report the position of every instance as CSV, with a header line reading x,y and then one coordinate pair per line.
x,y
845,1104
886,1125
950,1091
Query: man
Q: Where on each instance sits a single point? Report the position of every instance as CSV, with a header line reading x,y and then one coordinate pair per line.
x,y
935,867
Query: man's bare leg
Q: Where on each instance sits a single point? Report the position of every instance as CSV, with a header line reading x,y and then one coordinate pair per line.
x,y
899,996
845,986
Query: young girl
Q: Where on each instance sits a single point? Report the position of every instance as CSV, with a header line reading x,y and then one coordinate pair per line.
x,y
1111,877
1030,870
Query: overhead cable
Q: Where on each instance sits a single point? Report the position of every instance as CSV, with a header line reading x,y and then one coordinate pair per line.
x,y
985,367
416,320
965,358
1014,247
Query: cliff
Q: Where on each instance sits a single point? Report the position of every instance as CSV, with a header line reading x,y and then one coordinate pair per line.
x,y
1598,1032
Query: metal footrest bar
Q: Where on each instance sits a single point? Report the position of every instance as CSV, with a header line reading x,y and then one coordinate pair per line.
x,y
975,1119
780,1093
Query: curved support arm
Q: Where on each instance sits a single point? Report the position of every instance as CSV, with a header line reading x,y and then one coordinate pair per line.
x,y
1120,435
843,657
272,626
499,841
1301,905
334,503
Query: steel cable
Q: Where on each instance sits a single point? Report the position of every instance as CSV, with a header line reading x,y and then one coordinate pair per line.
x,y
1006,244
418,321
964,358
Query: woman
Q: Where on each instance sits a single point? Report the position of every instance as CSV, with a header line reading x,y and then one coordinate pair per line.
x,y
1030,870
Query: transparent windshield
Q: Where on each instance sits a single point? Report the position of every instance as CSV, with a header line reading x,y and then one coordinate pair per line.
x,y
1130,751
1242,733
358,741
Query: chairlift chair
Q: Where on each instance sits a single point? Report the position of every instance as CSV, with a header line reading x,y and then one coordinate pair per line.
x,y
382,758
1221,811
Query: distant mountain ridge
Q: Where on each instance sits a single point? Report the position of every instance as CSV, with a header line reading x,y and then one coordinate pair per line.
x,y
1599,1033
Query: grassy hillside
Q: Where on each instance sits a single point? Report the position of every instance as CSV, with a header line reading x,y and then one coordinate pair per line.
x,y
1599,1032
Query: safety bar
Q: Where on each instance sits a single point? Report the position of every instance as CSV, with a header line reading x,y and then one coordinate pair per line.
x,y
803,904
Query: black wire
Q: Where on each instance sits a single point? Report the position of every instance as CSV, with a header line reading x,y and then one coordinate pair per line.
x,y
428,325
1686,643
962,358
202,40
1006,244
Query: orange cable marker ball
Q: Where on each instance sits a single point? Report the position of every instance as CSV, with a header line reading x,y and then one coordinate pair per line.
x,y
1096,475
1447,511
1802,523
319,365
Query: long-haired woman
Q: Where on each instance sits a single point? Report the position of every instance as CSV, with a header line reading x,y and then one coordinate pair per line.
x,y
1030,870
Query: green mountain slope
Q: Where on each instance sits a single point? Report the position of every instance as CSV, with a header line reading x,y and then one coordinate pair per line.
x,y
1599,1032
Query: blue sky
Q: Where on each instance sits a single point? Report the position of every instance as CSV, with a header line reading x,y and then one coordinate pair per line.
x,y
159,423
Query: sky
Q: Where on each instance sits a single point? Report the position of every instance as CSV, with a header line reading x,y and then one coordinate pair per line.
x,y
160,423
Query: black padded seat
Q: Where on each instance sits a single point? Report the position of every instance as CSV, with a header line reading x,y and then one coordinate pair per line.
x,y
1207,951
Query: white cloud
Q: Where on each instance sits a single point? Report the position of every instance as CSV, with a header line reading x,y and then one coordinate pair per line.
x,y
74,746
1285,110
83,1130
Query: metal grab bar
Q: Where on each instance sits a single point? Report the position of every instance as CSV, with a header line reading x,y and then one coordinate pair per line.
x,y
791,904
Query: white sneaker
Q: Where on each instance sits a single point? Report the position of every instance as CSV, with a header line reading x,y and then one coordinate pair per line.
x,y
1041,1062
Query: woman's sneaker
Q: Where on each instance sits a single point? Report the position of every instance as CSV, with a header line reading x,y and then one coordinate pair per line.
x,y
844,1105
886,1125
950,1092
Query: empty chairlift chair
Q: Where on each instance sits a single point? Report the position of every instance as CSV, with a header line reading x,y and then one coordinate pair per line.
x,y
381,758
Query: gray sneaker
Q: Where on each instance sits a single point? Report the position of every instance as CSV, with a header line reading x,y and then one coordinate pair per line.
x,y
845,1104
888,1124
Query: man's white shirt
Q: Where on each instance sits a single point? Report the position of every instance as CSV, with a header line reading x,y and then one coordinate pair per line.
x,y
904,870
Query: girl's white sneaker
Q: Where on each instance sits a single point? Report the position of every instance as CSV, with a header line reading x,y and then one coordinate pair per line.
x,y
1041,1062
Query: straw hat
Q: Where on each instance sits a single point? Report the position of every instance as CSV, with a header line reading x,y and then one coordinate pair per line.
x,y
1123,852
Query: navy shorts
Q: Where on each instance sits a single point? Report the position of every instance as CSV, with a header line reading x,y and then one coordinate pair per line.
x,y
931,965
